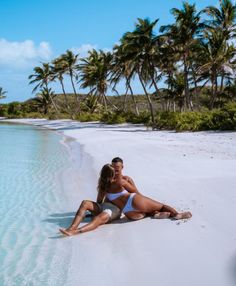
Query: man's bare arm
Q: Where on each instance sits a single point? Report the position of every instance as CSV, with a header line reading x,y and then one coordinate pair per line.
x,y
130,180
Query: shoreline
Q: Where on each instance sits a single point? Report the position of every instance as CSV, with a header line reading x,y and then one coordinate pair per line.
x,y
187,170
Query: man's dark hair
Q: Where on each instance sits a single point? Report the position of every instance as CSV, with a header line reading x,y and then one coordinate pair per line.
x,y
117,160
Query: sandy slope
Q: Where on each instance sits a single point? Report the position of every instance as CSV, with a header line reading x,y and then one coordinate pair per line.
x,y
190,171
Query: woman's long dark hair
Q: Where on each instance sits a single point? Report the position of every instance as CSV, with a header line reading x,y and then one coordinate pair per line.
x,y
106,174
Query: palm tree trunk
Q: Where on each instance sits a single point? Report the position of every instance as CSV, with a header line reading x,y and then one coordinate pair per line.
x,y
186,87
132,94
125,99
94,104
168,101
222,83
75,93
154,82
108,101
149,101
174,106
53,103
195,87
213,90
45,110
103,99
65,96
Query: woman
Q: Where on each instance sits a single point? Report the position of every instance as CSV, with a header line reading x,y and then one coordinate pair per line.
x,y
122,194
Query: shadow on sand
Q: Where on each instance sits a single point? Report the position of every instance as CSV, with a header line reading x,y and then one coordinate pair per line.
x,y
233,269
63,220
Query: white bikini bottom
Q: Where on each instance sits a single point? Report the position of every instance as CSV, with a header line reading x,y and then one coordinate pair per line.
x,y
128,207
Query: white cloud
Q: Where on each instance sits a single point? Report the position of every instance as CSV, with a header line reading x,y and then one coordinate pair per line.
x,y
83,50
20,55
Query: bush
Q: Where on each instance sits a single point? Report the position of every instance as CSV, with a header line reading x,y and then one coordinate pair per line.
x,y
166,120
113,118
218,119
3,110
33,115
144,117
225,118
14,108
207,121
85,117
55,116
189,121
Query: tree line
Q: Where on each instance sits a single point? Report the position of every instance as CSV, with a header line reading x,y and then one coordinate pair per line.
x,y
193,55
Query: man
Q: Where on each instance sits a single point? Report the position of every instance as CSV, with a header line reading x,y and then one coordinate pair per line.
x,y
102,210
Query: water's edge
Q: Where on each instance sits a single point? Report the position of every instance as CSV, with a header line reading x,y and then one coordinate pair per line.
x,y
74,185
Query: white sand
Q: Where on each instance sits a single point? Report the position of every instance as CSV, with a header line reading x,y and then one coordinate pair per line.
x,y
190,171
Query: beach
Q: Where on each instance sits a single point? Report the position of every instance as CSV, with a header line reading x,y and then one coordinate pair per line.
x,y
190,171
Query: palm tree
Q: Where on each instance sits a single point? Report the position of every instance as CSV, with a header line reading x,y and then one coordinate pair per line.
x,y
144,41
167,63
217,58
175,90
58,72
69,64
94,74
42,76
44,99
139,50
120,70
2,93
223,19
183,32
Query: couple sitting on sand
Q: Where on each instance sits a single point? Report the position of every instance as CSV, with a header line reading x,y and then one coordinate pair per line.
x,y
116,194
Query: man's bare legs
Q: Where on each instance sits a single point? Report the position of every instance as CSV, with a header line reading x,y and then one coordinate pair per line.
x,y
100,219
80,214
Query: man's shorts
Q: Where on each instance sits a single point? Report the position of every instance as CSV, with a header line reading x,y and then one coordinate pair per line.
x,y
113,211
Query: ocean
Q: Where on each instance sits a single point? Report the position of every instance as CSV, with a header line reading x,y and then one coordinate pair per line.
x,y
35,166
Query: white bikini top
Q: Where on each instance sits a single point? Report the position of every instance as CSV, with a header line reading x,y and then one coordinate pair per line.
x,y
113,196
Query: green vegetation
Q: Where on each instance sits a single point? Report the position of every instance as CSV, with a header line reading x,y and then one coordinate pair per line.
x,y
218,119
194,58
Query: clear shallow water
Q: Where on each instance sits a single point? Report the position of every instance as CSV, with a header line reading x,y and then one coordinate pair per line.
x,y
33,204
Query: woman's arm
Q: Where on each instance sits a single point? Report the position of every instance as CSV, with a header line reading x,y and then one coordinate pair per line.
x,y
129,187
130,180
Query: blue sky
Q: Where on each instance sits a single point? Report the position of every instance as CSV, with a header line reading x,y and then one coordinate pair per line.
x,y
38,31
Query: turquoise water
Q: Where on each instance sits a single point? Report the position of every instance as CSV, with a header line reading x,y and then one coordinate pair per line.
x,y
33,204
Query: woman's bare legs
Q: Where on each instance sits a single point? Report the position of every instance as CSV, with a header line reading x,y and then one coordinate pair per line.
x,y
80,214
148,205
136,215
100,219
161,215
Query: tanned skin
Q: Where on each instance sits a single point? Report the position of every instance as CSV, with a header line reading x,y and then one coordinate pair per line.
x,y
100,218
143,205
